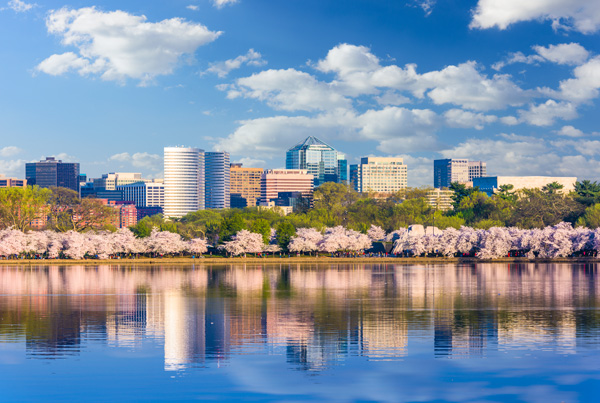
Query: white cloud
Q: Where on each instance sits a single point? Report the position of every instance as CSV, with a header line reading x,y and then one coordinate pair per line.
x,y
118,45
192,7
289,90
569,131
19,6
223,3
391,98
467,119
465,86
144,160
426,5
395,129
546,114
584,86
221,69
581,15
584,147
520,155
9,151
13,168
252,162
564,53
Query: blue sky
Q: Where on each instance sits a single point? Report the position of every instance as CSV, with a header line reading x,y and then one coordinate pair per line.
x,y
110,83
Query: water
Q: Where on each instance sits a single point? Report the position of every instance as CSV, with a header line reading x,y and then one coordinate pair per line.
x,y
484,332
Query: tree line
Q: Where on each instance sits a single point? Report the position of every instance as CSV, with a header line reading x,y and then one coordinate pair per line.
x,y
333,205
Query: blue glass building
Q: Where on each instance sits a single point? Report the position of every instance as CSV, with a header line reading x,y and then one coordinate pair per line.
x,y
321,160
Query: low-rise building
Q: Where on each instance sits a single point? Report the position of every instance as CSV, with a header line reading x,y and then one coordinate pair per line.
x,y
12,182
440,199
491,184
144,194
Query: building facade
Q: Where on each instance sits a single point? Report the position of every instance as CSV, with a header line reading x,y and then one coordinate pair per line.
x,y
447,171
275,181
244,186
379,175
112,180
440,199
53,172
184,180
12,182
491,184
217,180
145,194
322,161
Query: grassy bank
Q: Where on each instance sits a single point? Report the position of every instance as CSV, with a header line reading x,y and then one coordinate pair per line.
x,y
277,260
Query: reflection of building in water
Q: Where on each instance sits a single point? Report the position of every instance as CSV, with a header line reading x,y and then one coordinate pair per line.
x,y
127,325
184,321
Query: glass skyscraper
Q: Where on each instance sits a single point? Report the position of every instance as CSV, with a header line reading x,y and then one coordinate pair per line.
x,y
321,160
217,178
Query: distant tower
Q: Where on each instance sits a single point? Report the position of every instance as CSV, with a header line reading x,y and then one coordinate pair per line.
x,y
321,160
217,178
184,181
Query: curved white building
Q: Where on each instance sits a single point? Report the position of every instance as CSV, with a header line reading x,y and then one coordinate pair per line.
x,y
184,181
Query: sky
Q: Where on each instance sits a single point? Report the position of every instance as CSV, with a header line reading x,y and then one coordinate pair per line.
x,y
110,83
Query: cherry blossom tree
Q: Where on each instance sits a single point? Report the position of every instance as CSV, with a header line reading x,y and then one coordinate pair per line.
x,y
197,246
245,242
376,233
305,240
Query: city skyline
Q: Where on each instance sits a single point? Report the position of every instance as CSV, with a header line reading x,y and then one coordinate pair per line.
x,y
420,80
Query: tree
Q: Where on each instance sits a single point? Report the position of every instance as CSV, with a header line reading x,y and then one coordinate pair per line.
x,y
305,240
20,206
537,209
552,188
285,232
245,242
588,192
261,226
461,191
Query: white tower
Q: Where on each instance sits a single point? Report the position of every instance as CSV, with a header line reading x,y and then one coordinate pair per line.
x,y
184,181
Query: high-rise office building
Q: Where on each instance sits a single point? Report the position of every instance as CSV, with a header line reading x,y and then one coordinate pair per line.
x,y
379,175
53,172
325,163
276,181
184,180
217,177
244,186
447,171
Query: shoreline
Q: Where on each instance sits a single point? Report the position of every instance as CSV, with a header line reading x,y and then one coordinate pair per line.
x,y
279,260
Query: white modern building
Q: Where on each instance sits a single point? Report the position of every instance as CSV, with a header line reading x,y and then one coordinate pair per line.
x,y
184,180
217,180
491,184
379,175
145,194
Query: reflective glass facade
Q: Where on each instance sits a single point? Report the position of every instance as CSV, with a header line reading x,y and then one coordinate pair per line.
x,y
322,161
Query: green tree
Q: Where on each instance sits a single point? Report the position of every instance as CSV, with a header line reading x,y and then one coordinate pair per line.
x,y
285,232
591,217
231,225
588,192
262,226
20,206
537,209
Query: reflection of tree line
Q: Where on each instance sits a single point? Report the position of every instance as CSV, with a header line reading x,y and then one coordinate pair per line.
x,y
320,315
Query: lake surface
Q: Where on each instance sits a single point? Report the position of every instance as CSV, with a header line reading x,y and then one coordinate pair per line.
x,y
363,332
